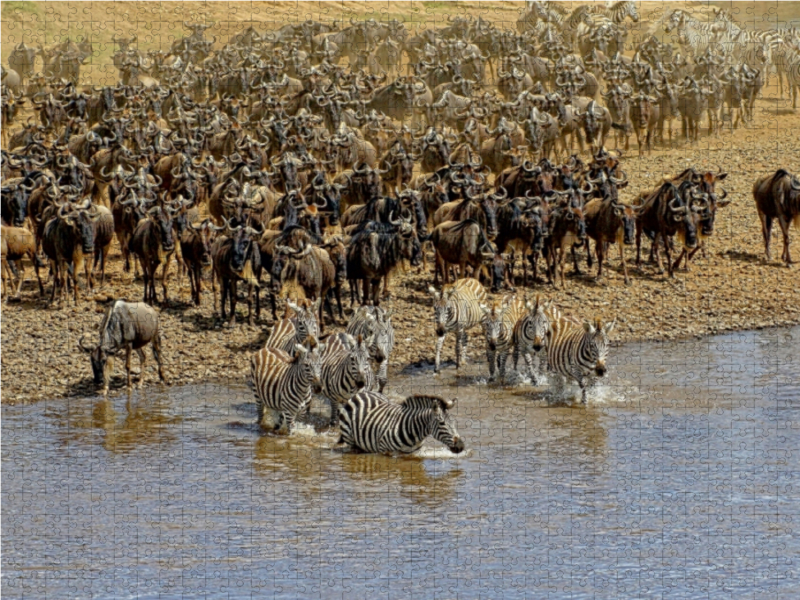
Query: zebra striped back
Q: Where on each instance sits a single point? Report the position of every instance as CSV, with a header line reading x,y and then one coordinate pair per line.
x,y
372,423
293,330
579,351
345,370
284,382
375,325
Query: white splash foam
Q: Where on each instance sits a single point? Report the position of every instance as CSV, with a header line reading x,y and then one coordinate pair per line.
x,y
441,453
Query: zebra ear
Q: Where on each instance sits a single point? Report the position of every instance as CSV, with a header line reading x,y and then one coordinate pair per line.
x,y
588,327
433,292
609,327
485,309
299,352
447,404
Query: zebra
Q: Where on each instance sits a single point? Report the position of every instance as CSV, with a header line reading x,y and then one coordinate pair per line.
x,y
530,333
345,370
499,322
692,33
294,330
791,70
612,17
284,382
370,422
375,324
457,308
578,350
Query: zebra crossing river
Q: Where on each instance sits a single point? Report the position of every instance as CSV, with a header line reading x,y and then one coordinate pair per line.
x,y
679,479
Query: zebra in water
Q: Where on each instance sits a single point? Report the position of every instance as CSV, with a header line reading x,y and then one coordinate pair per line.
x,y
284,382
578,351
345,370
499,322
457,308
370,422
375,324
530,333
294,330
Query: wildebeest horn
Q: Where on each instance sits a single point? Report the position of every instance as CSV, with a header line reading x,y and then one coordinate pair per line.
x,y
83,346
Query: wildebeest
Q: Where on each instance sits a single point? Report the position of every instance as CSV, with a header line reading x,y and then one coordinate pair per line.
x,y
153,243
777,196
18,243
129,326
461,244
236,257
196,253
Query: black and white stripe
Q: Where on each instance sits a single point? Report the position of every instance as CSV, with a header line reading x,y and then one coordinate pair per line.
x,y
578,350
499,322
345,370
284,382
375,325
457,308
530,334
294,330
370,422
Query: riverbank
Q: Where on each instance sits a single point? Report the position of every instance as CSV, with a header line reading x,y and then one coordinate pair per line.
x,y
732,288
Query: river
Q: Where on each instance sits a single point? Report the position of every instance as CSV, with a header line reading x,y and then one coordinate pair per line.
x,y
677,480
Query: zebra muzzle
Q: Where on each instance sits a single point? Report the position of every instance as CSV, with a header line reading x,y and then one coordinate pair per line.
x,y
458,446
600,369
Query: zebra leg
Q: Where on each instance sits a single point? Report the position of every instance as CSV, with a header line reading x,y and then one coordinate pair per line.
x,y
439,344
463,348
502,359
383,375
531,370
490,356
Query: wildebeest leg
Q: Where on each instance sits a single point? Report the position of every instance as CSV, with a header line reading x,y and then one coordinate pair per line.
x,y
250,307
668,252
142,363
233,294
599,249
677,262
588,253
575,258
128,364
158,355
766,231
338,292
784,223
164,280
621,245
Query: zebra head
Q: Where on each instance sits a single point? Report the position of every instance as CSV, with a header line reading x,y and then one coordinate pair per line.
x,y
309,358
675,20
443,311
305,318
358,363
539,322
595,347
441,426
493,324
380,340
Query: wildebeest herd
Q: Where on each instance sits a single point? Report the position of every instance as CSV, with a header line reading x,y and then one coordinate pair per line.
x,y
319,158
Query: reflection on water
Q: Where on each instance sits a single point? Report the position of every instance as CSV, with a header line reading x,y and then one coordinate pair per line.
x,y
677,480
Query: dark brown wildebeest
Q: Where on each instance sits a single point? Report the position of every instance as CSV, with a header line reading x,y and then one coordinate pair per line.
x,y
609,222
236,257
778,197
153,243
196,243
68,238
667,211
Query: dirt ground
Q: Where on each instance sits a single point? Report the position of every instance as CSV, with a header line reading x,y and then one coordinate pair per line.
x,y
732,288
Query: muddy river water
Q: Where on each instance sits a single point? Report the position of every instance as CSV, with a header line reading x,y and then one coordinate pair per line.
x,y
680,479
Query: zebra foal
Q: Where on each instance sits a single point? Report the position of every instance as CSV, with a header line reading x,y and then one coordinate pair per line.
x,y
370,422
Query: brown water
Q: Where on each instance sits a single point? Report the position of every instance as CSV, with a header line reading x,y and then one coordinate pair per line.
x,y
679,480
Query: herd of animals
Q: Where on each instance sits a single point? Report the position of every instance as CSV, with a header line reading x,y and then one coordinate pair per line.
x,y
319,155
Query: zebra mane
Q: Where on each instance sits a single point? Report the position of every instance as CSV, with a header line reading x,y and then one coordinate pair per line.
x,y
421,401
